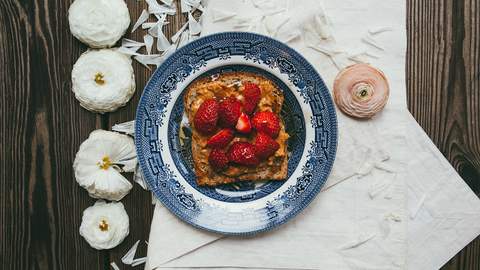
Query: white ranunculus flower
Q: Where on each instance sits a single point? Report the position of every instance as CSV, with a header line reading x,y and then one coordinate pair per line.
x,y
103,80
104,225
98,23
100,160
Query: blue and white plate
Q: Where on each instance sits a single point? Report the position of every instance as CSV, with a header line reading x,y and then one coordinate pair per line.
x,y
164,147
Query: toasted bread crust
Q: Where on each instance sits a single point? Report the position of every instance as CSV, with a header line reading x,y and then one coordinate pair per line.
x,y
274,168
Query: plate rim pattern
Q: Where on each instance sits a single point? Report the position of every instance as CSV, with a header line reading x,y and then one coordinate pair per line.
x,y
166,179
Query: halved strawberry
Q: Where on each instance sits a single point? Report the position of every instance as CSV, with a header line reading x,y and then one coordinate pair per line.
x,y
252,95
228,112
218,159
243,153
221,138
265,146
267,122
243,124
206,118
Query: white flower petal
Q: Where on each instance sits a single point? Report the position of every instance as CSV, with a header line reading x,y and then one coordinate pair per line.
x,y
184,6
130,255
179,32
105,182
131,43
193,26
325,50
160,17
139,261
129,51
201,8
148,25
361,57
162,41
264,4
152,59
98,24
192,38
120,148
169,51
323,27
379,30
114,266
110,185
128,164
143,18
126,127
104,225
103,80
368,39
167,2
193,3
155,8
153,31
148,40
358,58
184,39
83,174
138,177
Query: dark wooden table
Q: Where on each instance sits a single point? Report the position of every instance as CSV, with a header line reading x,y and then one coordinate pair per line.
x,y
42,125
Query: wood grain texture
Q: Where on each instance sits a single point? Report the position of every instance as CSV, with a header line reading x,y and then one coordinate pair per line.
x,y
41,203
443,71
42,125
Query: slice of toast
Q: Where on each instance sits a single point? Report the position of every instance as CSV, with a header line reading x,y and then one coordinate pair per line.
x,y
226,85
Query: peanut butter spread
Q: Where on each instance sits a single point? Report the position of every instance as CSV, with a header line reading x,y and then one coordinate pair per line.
x,y
228,85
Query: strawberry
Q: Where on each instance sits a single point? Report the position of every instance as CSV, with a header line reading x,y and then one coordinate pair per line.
x,y
252,94
265,146
243,124
221,138
218,159
206,118
229,110
243,153
267,122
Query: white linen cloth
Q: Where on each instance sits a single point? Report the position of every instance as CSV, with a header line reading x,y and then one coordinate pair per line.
x,y
361,219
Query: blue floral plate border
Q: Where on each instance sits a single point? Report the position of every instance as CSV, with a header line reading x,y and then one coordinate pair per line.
x,y
160,163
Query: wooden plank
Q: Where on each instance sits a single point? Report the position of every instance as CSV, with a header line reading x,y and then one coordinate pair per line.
x,y
42,127
443,71
468,259
139,202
